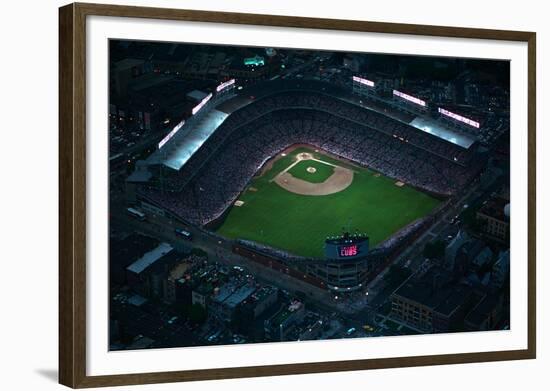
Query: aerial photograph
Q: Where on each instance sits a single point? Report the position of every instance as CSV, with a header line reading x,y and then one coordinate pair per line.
x,y
266,195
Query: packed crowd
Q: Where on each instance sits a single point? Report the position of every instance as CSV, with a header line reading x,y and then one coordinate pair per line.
x,y
215,176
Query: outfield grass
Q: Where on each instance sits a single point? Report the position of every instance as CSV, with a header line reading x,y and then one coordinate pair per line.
x,y
299,224
322,173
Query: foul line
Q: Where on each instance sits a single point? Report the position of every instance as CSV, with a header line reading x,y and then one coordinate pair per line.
x,y
298,160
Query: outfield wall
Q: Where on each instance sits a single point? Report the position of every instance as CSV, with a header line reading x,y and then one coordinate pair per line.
x,y
311,270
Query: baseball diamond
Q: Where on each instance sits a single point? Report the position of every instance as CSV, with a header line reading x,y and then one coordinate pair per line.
x,y
290,212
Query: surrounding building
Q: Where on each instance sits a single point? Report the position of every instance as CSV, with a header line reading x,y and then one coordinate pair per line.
x,y
494,218
224,301
283,321
261,300
486,314
147,274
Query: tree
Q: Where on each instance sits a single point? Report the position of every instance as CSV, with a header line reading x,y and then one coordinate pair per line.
x,y
199,252
396,275
197,313
469,217
434,250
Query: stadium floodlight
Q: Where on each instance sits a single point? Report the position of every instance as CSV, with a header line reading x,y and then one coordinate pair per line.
x,y
201,104
171,134
460,118
409,98
360,80
225,85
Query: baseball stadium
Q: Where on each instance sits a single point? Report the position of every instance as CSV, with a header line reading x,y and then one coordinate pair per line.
x,y
305,178
302,196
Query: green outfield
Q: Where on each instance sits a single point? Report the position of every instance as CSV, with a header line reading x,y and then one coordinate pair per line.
x,y
372,204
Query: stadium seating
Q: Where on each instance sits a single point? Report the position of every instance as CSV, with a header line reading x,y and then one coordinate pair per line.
x,y
215,176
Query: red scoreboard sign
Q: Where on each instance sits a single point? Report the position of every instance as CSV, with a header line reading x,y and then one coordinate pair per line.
x,y
348,251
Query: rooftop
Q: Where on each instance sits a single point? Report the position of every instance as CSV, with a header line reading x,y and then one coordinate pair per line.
x,y
187,140
224,292
495,208
263,292
150,258
285,312
429,290
179,270
434,127
137,300
239,295
473,248
480,312
453,301
128,63
197,95
149,80
125,251
204,289
140,174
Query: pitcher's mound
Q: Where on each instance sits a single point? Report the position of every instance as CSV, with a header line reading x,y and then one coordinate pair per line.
x,y
311,170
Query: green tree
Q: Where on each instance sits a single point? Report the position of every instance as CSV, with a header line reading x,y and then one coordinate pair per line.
x,y
469,217
434,250
396,275
197,313
199,252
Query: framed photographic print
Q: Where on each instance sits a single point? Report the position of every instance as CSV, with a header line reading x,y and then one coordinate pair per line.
x,y
255,195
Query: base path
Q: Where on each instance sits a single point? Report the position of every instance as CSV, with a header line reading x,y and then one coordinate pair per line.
x,y
338,181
